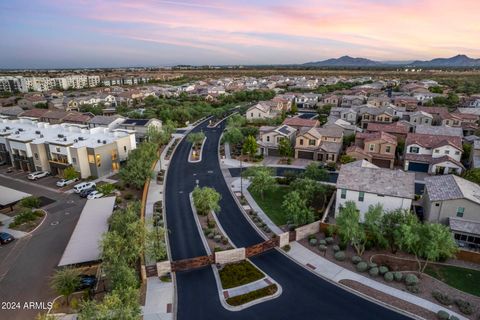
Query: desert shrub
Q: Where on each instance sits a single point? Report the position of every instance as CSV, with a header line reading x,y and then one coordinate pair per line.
x,y
443,298
217,238
310,237
286,248
30,202
210,235
128,196
388,276
362,266
356,260
335,248
398,276
340,256
322,242
329,240
452,317
373,271
443,315
464,306
312,241
413,288
322,247
342,245
411,279
383,270
372,265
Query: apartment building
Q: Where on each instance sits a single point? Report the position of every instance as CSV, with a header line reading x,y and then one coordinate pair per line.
x,y
24,84
38,146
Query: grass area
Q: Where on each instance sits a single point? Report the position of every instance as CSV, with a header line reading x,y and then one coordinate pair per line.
x,y
272,204
253,295
240,273
466,280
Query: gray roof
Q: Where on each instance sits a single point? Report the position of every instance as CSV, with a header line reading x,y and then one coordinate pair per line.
x,y
11,111
464,226
450,187
84,244
394,183
103,120
439,130
332,147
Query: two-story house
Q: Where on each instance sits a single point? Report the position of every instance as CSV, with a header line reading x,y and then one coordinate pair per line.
x,y
264,110
297,122
270,137
421,117
349,101
434,154
454,201
377,115
379,101
307,100
399,129
366,184
319,144
332,99
410,103
377,148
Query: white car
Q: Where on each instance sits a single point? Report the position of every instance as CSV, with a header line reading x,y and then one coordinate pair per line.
x,y
37,175
94,195
83,186
65,182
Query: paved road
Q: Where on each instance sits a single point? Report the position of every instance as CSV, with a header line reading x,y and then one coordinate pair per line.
x,y
305,296
27,264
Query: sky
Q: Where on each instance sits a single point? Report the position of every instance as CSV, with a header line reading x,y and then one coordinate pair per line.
x,y
115,33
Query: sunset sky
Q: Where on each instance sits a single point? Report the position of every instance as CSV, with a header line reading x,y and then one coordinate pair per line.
x,y
88,33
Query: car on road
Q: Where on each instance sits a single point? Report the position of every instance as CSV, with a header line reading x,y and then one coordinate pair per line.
x,y
6,238
87,282
83,186
86,192
65,182
37,175
94,195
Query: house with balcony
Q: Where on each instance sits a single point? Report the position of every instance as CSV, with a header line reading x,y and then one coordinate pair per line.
x,y
319,144
270,137
454,201
376,115
378,148
366,184
434,154
307,100
399,129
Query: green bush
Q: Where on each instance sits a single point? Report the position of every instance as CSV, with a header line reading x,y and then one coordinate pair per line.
x,y
413,288
465,307
411,279
252,295
362,266
286,248
443,298
452,317
128,196
342,245
312,241
329,240
357,259
398,276
372,265
322,242
388,276
373,271
335,248
383,270
443,315
26,216
30,202
340,256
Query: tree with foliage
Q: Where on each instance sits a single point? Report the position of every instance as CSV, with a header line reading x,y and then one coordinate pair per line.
x,y
296,209
65,282
69,173
348,140
106,188
206,200
294,108
236,121
472,175
261,178
391,222
285,148
233,136
373,225
436,89
315,172
139,165
118,304
346,159
250,147
349,228
30,202
196,138
155,246
467,151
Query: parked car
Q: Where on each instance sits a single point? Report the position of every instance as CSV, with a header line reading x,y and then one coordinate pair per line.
x,y
6,238
87,282
86,192
65,182
37,175
83,186
94,195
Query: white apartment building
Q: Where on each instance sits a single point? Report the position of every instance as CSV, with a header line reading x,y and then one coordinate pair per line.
x,y
29,145
24,84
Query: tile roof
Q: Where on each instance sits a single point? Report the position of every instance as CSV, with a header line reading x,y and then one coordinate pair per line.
x,y
433,141
105,120
34,113
389,128
377,136
450,187
464,225
301,122
439,130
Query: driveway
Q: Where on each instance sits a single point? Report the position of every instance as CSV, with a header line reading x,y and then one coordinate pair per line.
x,y
27,264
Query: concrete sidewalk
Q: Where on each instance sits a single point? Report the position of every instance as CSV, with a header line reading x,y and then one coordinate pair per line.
x,y
159,300
325,268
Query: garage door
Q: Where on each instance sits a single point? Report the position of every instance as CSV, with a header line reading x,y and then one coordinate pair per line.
x,y
273,152
418,167
305,155
382,163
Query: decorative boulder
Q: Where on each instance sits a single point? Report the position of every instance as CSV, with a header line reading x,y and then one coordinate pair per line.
x,y
329,240
383,270
340,256
388,276
411,279
398,276
335,248
373,271
356,259
312,241
443,315
362,266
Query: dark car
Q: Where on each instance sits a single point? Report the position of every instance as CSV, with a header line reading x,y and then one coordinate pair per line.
x,y
87,282
86,192
6,238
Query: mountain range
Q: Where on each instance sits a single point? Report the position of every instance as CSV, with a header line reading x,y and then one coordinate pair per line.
x,y
458,61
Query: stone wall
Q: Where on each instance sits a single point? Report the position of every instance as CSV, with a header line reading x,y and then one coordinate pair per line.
x,y
229,256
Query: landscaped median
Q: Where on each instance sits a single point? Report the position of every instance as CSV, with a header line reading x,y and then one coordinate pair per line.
x,y
197,139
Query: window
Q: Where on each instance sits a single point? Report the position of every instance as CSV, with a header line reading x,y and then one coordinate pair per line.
x,y
58,149
414,149
74,160
371,147
91,158
387,149
125,148
361,196
437,204
251,114
311,142
460,211
301,142
437,151
268,138
457,153
98,160
343,195
447,151
36,156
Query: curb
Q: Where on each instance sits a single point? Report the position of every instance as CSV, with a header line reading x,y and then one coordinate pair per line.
x,y
201,152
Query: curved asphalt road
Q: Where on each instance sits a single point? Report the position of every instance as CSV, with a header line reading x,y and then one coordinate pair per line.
x,y
305,296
